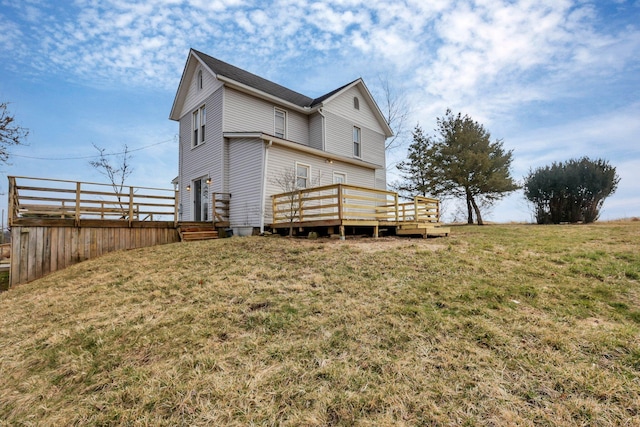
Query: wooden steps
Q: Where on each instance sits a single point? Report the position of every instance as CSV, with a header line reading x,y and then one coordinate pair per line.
x,y
190,233
424,229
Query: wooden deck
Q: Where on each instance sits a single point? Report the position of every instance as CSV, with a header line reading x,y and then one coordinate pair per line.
x,y
57,223
340,206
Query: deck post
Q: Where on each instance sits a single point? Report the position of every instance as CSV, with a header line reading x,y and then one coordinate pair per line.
x,y
340,203
175,208
12,197
342,232
77,215
130,206
375,231
395,197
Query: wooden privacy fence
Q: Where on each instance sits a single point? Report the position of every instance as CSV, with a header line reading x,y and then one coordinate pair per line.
x,y
341,202
38,198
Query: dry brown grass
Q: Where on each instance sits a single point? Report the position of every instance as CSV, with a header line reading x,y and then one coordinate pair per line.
x,y
498,325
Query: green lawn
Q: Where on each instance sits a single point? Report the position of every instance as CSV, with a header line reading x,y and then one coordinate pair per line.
x,y
498,325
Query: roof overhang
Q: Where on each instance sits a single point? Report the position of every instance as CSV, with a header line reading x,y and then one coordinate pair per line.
x,y
302,148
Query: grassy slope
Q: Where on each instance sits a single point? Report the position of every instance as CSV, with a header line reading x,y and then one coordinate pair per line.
x,y
497,325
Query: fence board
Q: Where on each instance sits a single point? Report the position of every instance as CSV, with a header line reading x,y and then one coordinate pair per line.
x,y
38,251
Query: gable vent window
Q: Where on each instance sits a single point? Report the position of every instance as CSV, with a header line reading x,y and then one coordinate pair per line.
x,y
356,103
356,141
199,122
280,123
200,83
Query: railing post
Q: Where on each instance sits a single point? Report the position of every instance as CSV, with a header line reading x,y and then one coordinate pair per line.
x,y
175,208
396,206
77,214
130,205
12,202
340,202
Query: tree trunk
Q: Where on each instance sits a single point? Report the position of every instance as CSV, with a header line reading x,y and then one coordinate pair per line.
x,y
477,209
469,210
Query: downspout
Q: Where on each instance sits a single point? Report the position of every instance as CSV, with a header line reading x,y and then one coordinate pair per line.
x,y
323,128
263,190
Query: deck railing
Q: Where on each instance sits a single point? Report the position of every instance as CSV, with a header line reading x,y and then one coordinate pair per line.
x,y
340,202
220,205
41,198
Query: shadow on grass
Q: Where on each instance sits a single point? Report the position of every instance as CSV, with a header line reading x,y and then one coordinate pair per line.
x,y
4,281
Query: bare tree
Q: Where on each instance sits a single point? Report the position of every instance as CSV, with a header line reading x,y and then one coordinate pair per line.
x,y
395,109
116,173
291,185
10,133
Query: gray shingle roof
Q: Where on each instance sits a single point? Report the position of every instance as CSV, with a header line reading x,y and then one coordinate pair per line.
x,y
256,82
241,76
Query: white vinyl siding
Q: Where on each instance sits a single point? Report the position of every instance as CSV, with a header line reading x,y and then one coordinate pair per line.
x,y
246,113
316,133
203,160
343,106
196,97
245,181
339,140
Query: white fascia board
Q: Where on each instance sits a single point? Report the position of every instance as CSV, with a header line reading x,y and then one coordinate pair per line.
x,y
302,148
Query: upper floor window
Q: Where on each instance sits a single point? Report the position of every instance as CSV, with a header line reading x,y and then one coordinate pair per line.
x,y
356,142
200,82
199,122
303,172
280,123
356,103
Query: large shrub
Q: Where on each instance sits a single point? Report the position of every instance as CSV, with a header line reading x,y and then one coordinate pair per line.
x,y
572,191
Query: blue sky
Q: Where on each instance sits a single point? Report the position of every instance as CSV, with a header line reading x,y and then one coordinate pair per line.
x,y
554,79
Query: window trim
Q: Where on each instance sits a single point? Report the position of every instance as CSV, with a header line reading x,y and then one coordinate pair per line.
x,y
357,144
198,126
356,103
199,80
343,174
306,178
277,110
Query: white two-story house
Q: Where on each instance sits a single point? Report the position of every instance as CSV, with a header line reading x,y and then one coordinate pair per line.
x,y
239,132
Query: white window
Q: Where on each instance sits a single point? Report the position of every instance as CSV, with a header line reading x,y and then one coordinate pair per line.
x,y
356,142
199,122
280,123
200,83
356,103
303,172
339,178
